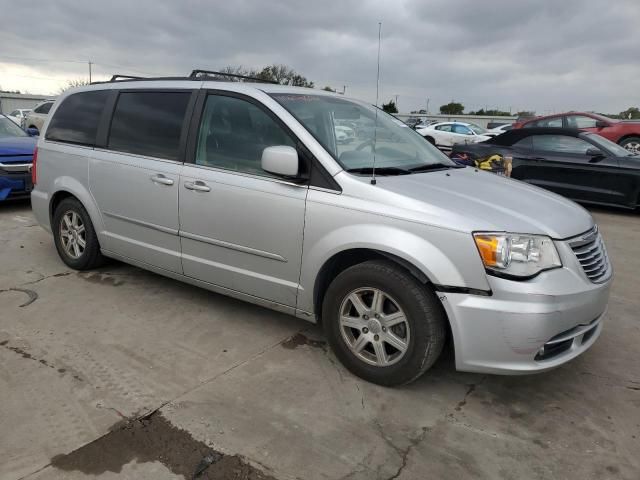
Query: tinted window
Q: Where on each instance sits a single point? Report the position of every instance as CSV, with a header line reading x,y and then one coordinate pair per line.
x,y
549,122
233,134
461,129
526,143
44,108
149,123
560,144
444,128
76,119
580,121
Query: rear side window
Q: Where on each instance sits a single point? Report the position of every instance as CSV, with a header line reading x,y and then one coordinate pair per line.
x,y
76,119
149,123
560,144
44,108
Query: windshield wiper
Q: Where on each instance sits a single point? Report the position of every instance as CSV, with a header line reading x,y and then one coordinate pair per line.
x,y
380,171
433,166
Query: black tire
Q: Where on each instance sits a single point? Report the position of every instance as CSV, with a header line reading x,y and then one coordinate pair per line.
x,y
423,312
629,140
90,256
430,140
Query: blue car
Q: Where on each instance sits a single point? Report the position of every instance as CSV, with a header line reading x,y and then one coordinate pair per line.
x,y
16,157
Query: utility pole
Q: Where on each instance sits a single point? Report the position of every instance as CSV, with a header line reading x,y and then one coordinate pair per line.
x,y
90,63
344,89
428,100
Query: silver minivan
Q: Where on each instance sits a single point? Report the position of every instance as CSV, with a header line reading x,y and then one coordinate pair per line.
x,y
243,189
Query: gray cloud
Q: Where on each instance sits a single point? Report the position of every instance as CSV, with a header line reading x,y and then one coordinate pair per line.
x,y
543,55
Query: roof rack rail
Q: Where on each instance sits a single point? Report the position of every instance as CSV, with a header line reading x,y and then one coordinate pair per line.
x,y
195,74
115,78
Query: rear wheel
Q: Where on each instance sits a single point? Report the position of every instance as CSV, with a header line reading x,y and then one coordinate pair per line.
x,y
430,140
632,144
383,324
74,236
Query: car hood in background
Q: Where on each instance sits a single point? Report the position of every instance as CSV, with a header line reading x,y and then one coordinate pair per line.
x,y
472,200
17,147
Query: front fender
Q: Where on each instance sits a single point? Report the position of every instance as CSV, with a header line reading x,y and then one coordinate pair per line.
x,y
445,257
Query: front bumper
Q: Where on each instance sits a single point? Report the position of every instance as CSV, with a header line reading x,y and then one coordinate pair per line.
x,y
15,185
527,327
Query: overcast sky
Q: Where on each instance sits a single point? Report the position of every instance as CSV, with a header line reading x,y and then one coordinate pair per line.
x,y
540,55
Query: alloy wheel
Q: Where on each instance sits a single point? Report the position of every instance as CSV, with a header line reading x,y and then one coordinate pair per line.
x,y
73,234
633,147
374,326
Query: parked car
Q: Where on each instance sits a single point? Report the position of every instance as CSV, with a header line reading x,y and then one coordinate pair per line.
x,y
493,125
16,155
625,133
35,118
242,189
344,134
501,129
446,134
579,165
412,121
17,115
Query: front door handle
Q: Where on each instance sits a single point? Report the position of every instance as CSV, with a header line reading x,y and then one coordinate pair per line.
x,y
161,179
198,186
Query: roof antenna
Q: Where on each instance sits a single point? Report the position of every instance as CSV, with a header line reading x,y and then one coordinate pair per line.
x,y
375,128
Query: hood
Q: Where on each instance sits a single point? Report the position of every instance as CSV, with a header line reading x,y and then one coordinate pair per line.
x,y
17,146
470,200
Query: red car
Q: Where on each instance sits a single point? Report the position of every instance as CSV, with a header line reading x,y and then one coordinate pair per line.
x,y
625,133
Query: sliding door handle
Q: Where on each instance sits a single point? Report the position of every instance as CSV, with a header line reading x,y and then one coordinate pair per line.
x,y
161,179
197,186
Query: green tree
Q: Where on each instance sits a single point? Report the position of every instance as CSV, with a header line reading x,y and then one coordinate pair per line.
x,y
630,113
493,113
329,89
390,107
452,108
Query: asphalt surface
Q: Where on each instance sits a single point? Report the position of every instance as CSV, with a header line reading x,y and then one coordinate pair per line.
x,y
120,373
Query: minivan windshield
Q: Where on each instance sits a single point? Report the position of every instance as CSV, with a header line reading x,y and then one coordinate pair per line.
x,y
349,131
10,129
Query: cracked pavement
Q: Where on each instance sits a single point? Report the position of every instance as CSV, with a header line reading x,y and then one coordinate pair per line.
x,y
84,351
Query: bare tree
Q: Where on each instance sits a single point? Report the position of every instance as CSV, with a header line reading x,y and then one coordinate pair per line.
x,y
79,82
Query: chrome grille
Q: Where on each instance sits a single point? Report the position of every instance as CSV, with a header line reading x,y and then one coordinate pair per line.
x,y
592,255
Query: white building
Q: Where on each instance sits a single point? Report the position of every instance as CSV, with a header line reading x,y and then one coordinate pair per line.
x,y
12,101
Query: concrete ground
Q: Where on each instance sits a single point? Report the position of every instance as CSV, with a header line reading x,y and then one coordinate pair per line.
x,y
81,352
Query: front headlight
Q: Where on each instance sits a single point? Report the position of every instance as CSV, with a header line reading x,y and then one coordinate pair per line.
x,y
516,255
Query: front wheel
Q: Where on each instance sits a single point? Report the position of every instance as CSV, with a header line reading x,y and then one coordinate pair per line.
x,y
383,325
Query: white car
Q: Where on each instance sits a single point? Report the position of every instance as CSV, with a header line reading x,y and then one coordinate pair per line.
x,y
35,118
445,135
18,114
344,134
501,129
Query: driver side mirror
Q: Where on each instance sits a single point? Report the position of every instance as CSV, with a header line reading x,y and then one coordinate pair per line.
x,y
601,124
281,160
595,154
